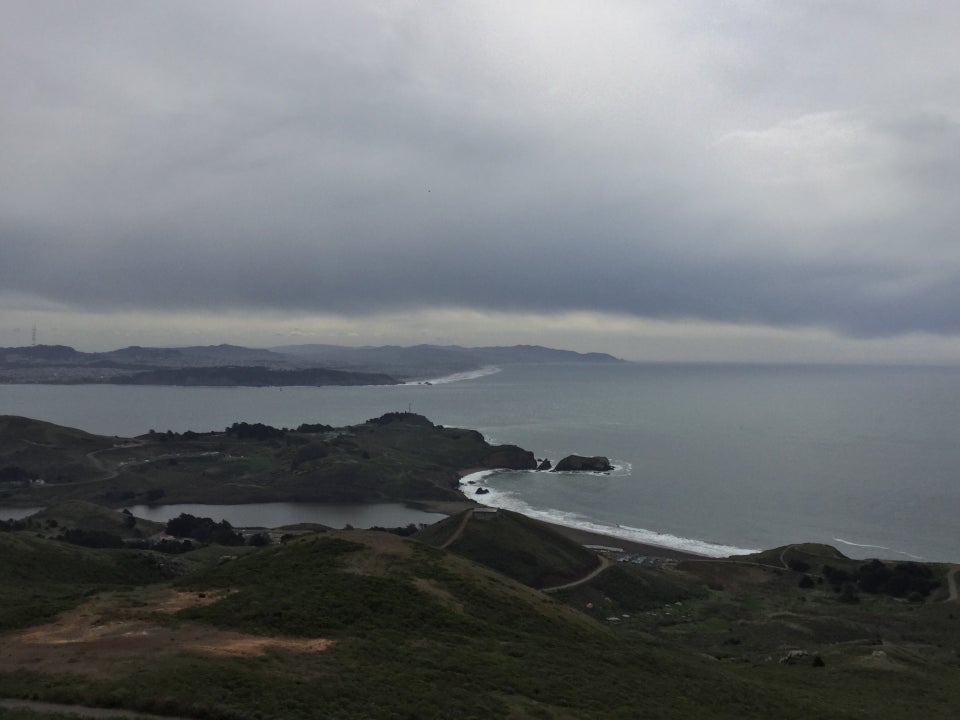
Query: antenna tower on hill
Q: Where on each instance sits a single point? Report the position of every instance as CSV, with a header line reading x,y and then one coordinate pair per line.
x,y
33,336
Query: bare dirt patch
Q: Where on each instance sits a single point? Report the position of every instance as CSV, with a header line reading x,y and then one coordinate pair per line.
x,y
94,637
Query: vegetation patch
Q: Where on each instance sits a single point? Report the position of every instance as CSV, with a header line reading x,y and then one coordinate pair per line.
x,y
521,548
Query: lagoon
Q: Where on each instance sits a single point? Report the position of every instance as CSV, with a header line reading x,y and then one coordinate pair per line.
x,y
278,514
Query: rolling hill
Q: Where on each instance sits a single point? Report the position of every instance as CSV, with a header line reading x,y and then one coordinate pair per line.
x,y
362,624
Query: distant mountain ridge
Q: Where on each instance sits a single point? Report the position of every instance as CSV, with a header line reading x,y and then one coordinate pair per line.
x,y
283,365
424,361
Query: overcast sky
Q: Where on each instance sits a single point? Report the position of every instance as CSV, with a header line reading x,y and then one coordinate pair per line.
x,y
659,180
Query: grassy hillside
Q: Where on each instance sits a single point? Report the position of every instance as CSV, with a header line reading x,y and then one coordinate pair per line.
x,y
357,624
40,577
368,625
80,515
398,457
521,548
32,449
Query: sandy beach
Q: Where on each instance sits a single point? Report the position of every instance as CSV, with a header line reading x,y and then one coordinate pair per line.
x,y
588,538
584,537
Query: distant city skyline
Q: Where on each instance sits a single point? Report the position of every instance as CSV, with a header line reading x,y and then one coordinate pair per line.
x,y
663,181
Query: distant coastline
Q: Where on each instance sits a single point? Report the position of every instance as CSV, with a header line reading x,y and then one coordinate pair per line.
x,y
287,366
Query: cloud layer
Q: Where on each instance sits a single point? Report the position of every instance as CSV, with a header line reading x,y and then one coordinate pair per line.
x,y
775,164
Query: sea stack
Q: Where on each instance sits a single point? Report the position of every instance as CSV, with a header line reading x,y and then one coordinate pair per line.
x,y
579,463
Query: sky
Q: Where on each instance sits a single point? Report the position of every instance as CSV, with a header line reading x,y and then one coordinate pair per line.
x,y
695,181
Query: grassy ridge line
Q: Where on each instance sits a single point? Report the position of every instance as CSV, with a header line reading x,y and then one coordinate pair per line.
x,y
397,457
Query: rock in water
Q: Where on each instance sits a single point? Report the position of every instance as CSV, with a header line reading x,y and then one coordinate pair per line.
x,y
579,463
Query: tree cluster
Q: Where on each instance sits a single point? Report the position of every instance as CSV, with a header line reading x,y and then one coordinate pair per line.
x,y
404,531
314,428
91,538
255,431
15,474
203,529
406,417
903,580
15,525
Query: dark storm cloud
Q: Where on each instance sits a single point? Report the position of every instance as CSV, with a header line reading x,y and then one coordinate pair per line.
x,y
735,164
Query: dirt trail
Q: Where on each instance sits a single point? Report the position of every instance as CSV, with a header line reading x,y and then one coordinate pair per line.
x,y
96,636
456,536
109,474
604,564
783,559
82,710
952,583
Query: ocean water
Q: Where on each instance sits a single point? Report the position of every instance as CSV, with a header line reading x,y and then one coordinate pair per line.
x,y
715,459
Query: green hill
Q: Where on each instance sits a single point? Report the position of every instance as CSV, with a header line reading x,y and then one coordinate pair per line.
x,y
80,515
40,577
812,553
360,624
396,457
521,548
31,449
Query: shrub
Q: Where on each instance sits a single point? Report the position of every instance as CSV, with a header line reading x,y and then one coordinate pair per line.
x,y
259,539
204,529
92,538
848,594
835,576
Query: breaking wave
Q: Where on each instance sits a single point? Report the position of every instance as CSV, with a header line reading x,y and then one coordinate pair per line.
x,y
458,377
509,501
877,547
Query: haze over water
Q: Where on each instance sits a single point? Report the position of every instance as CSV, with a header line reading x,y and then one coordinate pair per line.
x,y
713,458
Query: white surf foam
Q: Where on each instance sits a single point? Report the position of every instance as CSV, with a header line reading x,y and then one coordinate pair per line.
x,y
457,377
618,468
877,547
507,500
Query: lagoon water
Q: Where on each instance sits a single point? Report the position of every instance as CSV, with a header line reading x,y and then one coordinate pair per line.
x,y
278,514
715,459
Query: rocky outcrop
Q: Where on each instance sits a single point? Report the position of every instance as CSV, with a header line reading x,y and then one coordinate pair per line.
x,y
579,463
510,457
545,464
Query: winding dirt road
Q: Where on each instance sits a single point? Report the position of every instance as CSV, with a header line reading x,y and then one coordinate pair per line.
x,y
604,564
456,536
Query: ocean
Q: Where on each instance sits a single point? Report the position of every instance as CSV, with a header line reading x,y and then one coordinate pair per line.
x,y
716,459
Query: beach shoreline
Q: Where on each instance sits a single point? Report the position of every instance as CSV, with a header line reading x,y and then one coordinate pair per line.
x,y
584,537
